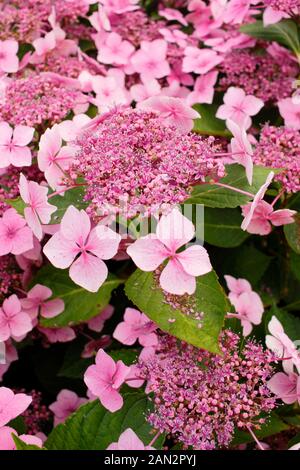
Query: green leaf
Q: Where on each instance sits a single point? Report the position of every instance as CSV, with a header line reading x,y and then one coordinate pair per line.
x,y
92,427
295,264
285,32
273,426
17,204
208,123
71,197
290,323
209,298
222,227
128,356
292,234
80,305
21,445
212,195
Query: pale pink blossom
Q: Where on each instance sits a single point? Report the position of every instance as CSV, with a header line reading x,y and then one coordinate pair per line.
x,y
172,232
257,198
71,128
13,145
100,21
58,335
109,93
241,148
284,348
37,209
45,44
104,380
9,61
128,440
249,309
264,217
74,238
286,387
172,111
7,442
114,50
237,287
97,323
12,405
239,107
53,158
136,326
14,323
37,302
290,111
142,91
203,91
150,60
15,236
66,403
200,61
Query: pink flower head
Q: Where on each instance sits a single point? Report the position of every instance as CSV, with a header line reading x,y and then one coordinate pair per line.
x,y
203,89
286,387
136,326
58,335
15,236
114,50
12,405
74,238
128,440
249,308
149,64
9,61
53,159
97,323
237,287
36,302
241,148
172,232
239,107
173,111
104,380
290,111
37,209
257,198
66,403
264,217
284,348
14,323
13,145
200,61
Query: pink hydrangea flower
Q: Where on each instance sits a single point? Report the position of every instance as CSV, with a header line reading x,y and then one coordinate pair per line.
x,y
136,326
58,335
286,387
104,380
36,302
15,236
172,111
173,15
37,209
74,238
151,65
109,92
12,405
66,403
71,128
13,145
97,323
45,44
241,148
114,50
7,442
239,107
284,348
172,232
53,158
14,323
200,61
237,287
257,198
249,309
203,91
264,217
9,61
142,91
128,440
290,111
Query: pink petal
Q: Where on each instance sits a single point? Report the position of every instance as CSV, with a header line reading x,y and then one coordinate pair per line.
x,y
22,241
111,400
60,251
174,230
128,440
175,280
195,260
147,252
120,375
52,308
283,386
75,225
6,133
20,156
282,217
33,222
88,272
23,135
103,242
125,334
